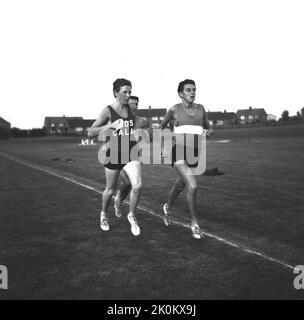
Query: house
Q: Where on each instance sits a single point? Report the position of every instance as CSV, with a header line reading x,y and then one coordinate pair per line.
x,y
252,115
5,124
5,129
154,116
66,125
79,126
222,118
271,117
58,125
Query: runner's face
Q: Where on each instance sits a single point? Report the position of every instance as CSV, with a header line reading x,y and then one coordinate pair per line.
x,y
133,104
123,95
188,94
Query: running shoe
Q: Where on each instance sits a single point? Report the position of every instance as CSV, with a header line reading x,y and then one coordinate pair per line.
x,y
196,232
134,225
167,214
104,225
118,213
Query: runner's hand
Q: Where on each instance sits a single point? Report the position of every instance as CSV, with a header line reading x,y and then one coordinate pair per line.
x,y
209,132
118,124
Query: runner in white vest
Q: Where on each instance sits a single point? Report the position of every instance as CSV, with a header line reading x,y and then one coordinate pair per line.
x,y
190,118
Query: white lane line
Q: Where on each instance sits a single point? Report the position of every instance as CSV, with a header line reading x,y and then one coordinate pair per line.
x,y
208,234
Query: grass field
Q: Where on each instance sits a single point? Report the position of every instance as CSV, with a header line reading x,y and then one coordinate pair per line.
x,y
253,217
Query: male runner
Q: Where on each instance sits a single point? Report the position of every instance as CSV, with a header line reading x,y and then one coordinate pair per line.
x,y
124,185
193,116
119,118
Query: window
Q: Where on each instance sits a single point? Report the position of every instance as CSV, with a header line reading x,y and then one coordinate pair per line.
x,y
161,118
61,125
79,129
242,117
250,117
155,125
220,122
154,118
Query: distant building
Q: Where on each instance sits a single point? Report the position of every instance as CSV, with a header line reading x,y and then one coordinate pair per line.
x,y
5,124
222,118
247,116
79,126
5,129
271,117
57,125
66,125
153,115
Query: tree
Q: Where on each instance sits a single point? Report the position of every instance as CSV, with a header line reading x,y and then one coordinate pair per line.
x,y
19,133
285,115
302,112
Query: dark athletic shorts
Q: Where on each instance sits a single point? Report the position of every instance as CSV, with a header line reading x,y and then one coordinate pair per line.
x,y
114,166
183,157
119,166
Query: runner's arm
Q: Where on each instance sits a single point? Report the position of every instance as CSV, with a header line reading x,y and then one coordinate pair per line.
x,y
206,125
169,116
149,130
101,124
205,122
143,124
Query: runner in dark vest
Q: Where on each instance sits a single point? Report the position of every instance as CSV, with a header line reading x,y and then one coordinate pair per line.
x,y
124,185
120,121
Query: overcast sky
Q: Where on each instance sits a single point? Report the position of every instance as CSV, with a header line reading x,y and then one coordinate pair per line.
x,y
61,57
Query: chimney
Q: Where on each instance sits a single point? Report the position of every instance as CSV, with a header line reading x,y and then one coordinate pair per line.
x,y
250,108
225,111
149,107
